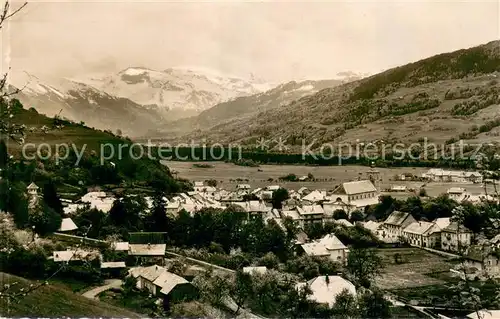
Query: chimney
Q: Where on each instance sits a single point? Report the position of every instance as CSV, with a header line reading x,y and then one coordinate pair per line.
x,y
327,279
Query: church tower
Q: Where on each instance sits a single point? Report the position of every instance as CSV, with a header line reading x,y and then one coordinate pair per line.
x,y
374,176
32,195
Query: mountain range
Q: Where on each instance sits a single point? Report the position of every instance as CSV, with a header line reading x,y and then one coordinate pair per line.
x,y
176,89
443,99
138,100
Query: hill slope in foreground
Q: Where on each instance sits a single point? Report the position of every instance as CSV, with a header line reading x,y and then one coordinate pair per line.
x,y
444,97
41,129
51,301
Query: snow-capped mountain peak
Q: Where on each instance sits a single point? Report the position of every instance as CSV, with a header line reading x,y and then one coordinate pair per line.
x,y
178,88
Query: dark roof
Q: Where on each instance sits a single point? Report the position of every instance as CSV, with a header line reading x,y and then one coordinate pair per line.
x,y
453,228
396,218
147,238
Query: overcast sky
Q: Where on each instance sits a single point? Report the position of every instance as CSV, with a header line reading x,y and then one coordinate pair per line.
x,y
276,41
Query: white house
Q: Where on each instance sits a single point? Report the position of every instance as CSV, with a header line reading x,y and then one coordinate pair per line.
x,y
315,196
375,228
329,246
325,289
255,270
456,193
422,234
358,194
440,175
158,281
67,225
147,250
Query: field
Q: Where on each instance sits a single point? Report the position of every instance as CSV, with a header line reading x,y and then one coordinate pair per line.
x,y
55,301
327,177
417,268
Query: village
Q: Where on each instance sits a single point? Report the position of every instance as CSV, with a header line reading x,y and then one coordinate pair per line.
x,y
348,206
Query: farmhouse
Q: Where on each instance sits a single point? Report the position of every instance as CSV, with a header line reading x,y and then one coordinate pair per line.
x,y
151,250
98,200
484,259
343,222
67,225
74,255
255,208
325,289
315,196
158,281
358,194
455,237
456,193
395,223
120,246
422,234
310,214
440,175
398,188
243,187
255,270
329,246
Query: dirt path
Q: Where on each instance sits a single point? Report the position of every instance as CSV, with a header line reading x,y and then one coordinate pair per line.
x,y
109,284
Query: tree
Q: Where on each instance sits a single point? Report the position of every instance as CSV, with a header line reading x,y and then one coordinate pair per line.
x,y
340,214
45,219
372,304
422,192
158,220
51,198
269,260
4,156
178,267
211,183
279,196
241,289
213,287
126,212
363,265
345,305
357,216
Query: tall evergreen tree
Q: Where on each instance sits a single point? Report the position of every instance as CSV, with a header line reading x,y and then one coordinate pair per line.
x,y
158,217
51,198
4,155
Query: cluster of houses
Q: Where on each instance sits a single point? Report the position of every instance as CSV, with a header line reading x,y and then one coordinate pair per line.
x,y
440,175
441,233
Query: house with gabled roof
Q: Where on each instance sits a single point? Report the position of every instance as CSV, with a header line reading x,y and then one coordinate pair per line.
x,y
422,234
325,289
160,282
315,196
329,246
357,194
376,228
67,225
455,237
394,225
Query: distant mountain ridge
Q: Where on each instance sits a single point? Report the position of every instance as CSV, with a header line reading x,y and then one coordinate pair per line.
x,y
175,89
246,106
446,97
82,102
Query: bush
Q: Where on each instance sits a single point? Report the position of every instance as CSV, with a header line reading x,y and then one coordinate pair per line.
x,y
269,260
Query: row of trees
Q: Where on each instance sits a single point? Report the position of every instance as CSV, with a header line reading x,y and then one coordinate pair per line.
x,y
276,294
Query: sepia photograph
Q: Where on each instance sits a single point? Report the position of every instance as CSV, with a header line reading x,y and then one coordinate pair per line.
x,y
250,159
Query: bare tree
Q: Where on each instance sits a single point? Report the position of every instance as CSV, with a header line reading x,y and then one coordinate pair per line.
x,y
7,106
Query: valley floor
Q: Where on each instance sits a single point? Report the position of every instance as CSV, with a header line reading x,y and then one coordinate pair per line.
x,y
326,177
